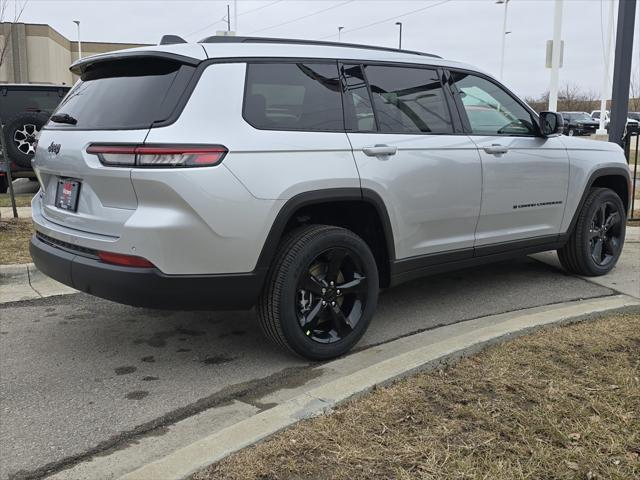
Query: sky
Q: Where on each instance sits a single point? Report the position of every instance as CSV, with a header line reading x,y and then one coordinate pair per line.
x,y
465,30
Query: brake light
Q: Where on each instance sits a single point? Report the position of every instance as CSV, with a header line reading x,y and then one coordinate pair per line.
x,y
159,155
125,260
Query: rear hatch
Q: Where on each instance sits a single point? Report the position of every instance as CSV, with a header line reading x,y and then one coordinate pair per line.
x,y
116,101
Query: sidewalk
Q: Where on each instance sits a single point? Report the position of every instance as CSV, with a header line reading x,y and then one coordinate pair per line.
x,y
7,212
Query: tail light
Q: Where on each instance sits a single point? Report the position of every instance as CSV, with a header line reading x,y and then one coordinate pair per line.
x,y
158,156
125,260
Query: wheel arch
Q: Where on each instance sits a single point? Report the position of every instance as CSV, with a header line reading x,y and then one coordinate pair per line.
x,y
360,210
617,179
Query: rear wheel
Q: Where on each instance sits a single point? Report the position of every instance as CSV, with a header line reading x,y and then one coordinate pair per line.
x,y
597,240
321,292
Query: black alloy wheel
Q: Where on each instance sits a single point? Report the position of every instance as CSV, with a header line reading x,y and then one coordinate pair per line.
x,y
321,292
604,233
331,296
596,242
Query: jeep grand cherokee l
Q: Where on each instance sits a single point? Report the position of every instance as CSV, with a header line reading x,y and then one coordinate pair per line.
x,y
303,177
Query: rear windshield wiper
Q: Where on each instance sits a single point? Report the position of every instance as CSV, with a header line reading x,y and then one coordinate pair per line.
x,y
63,118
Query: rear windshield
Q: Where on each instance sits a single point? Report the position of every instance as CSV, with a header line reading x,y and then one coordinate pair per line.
x,y
124,94
16,100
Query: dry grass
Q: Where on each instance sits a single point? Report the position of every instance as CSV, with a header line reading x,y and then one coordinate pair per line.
x,y
563,403
14,241
22,200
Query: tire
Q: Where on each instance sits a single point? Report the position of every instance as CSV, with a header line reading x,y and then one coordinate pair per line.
x,y
303,308
571,132
601,221
4,184
20,133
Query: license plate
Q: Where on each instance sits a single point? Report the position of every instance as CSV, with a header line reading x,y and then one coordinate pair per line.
x,y
67,194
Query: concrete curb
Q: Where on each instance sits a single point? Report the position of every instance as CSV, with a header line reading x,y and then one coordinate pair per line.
x,y
471,338
24,281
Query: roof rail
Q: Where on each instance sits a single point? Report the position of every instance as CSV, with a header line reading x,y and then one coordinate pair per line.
x,y
231,39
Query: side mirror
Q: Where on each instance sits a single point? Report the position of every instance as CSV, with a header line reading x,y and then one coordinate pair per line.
x,y
551,124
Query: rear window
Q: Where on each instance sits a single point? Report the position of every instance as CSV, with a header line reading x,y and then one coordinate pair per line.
x,y
15,100
125,94
293,96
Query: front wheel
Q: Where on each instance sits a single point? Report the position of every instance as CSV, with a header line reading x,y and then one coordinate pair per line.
x,y
321,292
597,240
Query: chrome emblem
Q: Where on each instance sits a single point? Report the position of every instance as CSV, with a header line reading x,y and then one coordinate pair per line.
x,y
54,148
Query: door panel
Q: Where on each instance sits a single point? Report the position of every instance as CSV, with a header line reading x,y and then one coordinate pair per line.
x,y
524,175
401,131
431,188
524,189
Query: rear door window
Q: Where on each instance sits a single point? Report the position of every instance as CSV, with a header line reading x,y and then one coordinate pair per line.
x,y
293,96
125,94
408,100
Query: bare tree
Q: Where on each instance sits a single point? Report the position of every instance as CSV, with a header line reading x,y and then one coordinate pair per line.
x,y
571,98
7,22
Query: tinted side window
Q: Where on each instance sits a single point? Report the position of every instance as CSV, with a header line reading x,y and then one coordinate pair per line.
x,y
358,111
293,96
491,110
408,100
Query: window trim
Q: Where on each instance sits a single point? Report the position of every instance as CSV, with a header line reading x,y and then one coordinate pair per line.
x,y
291,61
535,120
347,111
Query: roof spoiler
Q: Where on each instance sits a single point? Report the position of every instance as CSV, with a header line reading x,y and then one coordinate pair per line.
x,y
171,40
80,66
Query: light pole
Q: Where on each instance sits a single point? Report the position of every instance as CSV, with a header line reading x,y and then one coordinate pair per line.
x,y
339,32
504,34
400,36
555,57
77,22
605,75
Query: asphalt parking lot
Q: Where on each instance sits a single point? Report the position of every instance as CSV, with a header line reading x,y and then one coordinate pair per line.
x,y
81,375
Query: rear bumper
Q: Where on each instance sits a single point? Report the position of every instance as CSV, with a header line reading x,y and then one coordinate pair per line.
x,y
146,287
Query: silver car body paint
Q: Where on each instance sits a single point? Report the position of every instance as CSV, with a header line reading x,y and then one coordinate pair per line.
x,y
442,192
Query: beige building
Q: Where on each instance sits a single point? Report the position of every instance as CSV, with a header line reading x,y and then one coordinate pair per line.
x,y
37,53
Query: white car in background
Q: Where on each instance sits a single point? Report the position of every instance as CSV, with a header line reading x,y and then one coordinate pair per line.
x,y
632,125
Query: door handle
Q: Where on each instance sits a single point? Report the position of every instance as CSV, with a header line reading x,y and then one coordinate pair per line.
x,y
379,150
496,149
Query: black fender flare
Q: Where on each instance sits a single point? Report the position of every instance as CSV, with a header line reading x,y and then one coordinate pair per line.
x,y
621,171
312,197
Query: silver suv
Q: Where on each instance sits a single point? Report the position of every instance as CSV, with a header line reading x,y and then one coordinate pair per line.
x,y
303,177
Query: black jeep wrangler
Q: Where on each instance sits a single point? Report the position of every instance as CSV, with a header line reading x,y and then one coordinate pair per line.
x,y
24,109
